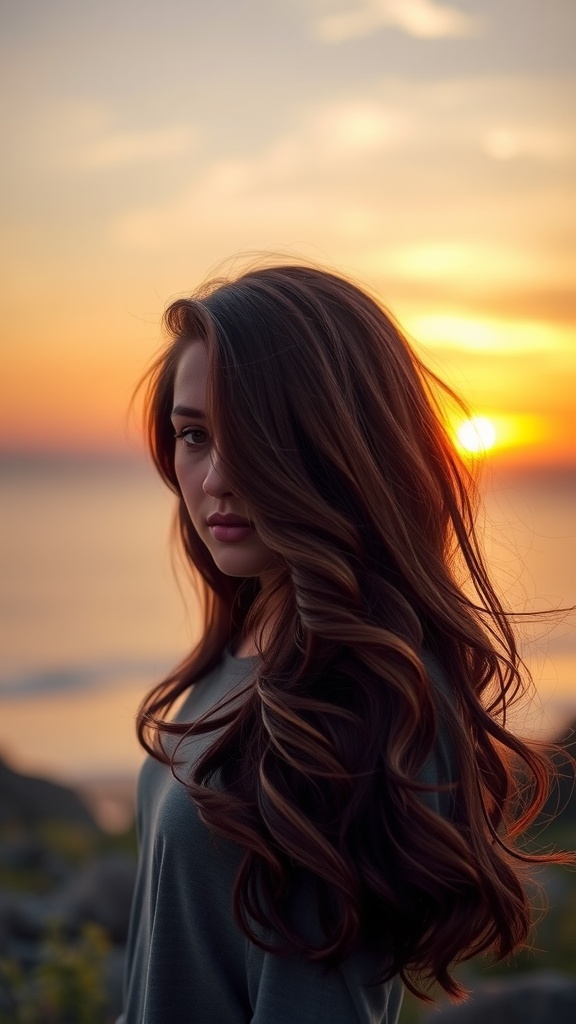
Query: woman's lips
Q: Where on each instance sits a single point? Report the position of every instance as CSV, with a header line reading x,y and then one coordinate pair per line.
x,y
229,529
230,533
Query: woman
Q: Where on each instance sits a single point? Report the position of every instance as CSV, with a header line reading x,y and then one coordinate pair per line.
x,y
332,810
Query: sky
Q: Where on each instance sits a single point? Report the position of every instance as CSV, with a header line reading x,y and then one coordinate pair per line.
x,y
426,149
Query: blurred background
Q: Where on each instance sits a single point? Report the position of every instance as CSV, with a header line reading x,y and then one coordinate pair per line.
x,y
426,149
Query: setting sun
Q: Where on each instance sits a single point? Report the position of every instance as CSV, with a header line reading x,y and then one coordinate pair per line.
x,y
477,435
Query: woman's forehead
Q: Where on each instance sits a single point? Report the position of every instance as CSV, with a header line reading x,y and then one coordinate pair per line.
x,y
191,377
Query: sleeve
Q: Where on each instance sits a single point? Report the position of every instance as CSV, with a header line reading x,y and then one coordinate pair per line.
x,y
291,990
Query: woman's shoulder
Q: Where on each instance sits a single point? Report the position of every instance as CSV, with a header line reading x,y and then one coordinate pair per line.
x,y
229,675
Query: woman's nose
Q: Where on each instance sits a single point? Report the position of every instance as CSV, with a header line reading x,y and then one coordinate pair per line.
x,y
215,483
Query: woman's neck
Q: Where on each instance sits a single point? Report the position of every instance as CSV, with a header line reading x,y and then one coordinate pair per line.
x,y
246,647
250,644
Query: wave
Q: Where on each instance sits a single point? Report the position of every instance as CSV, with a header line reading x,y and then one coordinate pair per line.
x,y
60,679
97,674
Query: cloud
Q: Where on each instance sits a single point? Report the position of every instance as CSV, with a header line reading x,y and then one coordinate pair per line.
x,y
291,183
128,147
512,142
397,183
491,336
77,134
424,19
495,263
351,128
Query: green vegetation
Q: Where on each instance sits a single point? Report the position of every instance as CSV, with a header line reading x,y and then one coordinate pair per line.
x,y
68,984
67,987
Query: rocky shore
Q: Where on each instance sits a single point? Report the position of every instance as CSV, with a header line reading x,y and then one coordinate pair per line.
x,y
65,893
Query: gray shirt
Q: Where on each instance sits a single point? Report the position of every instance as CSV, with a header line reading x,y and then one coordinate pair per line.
x,y
187,960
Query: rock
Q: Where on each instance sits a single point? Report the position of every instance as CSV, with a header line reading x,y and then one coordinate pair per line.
x,y
29,856
29,801
542,997
6,911
100,892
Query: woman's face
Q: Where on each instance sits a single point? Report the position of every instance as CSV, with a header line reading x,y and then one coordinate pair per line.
x,y
220,518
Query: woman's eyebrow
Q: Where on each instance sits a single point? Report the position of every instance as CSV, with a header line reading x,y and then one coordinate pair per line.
x,y
185,410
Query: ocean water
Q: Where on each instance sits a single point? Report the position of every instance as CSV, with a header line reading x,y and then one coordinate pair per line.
x,y
91,614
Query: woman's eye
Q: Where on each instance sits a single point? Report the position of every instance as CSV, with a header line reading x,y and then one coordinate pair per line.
x,y
192,436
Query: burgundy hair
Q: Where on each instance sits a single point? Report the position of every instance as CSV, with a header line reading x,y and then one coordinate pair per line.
x,y
329,428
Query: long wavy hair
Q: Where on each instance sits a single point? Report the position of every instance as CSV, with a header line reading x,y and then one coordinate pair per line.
x,y
330,430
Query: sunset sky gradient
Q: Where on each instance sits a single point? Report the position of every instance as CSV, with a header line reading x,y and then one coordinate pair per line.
x,y
427,149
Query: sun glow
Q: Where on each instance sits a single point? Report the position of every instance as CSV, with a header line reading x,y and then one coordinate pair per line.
x,y
497,433
477,435
488,335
